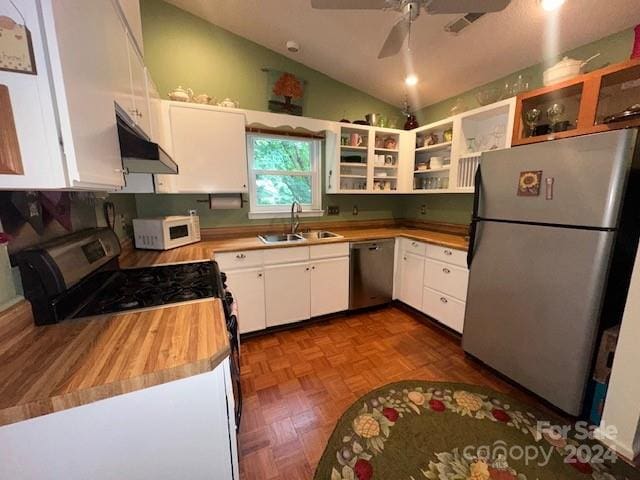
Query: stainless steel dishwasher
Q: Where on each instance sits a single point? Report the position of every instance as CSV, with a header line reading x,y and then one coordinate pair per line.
x,y
371,273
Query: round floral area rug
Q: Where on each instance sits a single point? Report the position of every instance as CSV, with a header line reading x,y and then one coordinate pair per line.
x,y
418,430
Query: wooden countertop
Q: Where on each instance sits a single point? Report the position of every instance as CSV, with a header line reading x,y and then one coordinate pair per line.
x,y
205,250
51,368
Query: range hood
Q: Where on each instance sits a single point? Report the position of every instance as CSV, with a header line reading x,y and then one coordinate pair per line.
x,y
141,155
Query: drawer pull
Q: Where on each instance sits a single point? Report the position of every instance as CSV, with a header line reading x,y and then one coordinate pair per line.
x,y
260,275
448,252
414,244
241,256
446,270
444,300
307,269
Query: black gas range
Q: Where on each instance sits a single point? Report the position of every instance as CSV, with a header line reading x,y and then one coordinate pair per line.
x,y
78,276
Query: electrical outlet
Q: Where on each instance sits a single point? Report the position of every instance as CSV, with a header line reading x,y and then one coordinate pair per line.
x,y
355,210
333,210
423,209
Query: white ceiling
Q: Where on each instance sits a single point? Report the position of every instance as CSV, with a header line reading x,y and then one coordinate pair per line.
x,y
344,44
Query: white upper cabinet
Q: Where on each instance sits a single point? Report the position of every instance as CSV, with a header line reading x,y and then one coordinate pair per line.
x,y
33,115
209,146
84,41
131,12
140,114
65,115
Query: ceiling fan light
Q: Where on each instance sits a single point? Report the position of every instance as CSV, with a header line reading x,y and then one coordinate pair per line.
x,y
550,5
411,80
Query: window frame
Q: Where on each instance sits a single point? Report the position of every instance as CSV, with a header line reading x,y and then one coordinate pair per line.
x,y
279,211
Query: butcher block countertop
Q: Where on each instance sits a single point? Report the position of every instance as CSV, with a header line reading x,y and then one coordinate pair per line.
x,y
205,250
51,368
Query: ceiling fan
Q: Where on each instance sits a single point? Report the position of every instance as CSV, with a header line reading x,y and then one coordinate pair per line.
x,y
410,10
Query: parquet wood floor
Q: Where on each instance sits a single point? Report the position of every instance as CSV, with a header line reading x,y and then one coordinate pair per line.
x,y
297,383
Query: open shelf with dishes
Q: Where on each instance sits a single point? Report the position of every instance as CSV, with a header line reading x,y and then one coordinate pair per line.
x,y
369,160
441,157
481,130
432,157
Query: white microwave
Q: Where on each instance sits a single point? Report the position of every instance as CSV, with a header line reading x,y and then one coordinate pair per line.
x,y
164,233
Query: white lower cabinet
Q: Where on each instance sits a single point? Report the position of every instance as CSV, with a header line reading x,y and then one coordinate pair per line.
x,y
287,285
247,287
446,278
287,293
329,286
411,279
443,308
433,279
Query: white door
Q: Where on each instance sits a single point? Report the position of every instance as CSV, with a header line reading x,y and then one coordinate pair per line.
x,y
329,286
87,43
247,287
287,293
210,148
411,279
141,114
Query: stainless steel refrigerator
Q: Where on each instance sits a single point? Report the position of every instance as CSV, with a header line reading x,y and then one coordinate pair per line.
x,y
553,237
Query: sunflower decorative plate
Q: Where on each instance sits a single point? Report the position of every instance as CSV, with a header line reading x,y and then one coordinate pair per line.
x,y
529,183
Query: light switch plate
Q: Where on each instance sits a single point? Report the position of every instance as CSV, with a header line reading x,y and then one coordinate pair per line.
x,y
333,210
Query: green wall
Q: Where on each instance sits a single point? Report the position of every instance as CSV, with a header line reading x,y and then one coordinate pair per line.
x,y
182,49
613,49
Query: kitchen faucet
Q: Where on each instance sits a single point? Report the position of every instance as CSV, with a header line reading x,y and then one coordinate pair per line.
x,y
296,209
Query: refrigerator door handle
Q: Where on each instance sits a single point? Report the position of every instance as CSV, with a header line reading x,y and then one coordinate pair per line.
x,y
474,216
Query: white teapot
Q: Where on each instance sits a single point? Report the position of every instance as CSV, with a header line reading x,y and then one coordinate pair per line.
x,y
180,94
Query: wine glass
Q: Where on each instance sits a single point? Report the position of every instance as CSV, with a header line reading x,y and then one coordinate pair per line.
x,y
498,132
554,112
531,118
471,144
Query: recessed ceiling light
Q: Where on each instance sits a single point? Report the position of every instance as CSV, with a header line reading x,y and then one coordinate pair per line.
x,y
550,5
411,80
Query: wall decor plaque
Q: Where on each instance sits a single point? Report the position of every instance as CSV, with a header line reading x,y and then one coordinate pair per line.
x,y
16,47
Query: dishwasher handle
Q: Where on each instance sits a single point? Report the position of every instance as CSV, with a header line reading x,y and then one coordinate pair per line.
x,y
372,246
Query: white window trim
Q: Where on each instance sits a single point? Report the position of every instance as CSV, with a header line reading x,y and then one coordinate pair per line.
x,y
272,211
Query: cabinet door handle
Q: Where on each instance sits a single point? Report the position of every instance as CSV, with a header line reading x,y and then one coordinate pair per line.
x,y
446,270
404,258
241,256
307,269
444,300
313,268
414,244
448,252
260,275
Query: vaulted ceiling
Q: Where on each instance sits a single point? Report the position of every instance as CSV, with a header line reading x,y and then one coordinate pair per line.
x,y
344,44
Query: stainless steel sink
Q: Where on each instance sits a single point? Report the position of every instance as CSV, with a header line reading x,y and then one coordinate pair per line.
x,y
319,234
281,238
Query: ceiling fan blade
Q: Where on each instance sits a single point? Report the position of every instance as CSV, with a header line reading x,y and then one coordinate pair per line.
x,y
396,37
434,7
352,4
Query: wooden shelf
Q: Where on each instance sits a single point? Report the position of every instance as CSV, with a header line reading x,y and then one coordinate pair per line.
x,y
435,147
376,177
387,150
352,176
385,166
357,165
349,147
